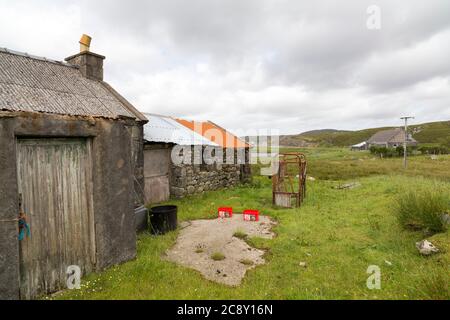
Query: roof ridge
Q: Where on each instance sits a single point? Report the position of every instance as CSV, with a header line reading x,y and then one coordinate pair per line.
x,y
156,115
39,58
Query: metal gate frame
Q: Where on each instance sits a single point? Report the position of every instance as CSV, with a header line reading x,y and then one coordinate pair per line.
x,y
283,190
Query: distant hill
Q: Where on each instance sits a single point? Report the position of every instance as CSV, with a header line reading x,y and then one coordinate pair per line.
x,y
427,133
321,131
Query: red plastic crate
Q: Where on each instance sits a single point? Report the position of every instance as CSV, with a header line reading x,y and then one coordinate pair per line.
x,y
225,212
251,215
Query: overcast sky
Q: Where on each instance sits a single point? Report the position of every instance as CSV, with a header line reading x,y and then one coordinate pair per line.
x,y
287,65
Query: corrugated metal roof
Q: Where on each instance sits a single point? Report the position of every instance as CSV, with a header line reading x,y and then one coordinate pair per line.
x,y
34,84
216,133
165,129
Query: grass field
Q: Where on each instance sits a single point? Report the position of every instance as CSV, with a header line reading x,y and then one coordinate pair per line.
x,y
341,163
338,233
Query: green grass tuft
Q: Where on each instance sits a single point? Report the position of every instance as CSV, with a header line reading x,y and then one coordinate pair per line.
x,y
246,262
240,235
422,210
435,286
218,256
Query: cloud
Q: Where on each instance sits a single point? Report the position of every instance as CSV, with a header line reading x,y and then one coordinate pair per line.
x,y
282,64
408,66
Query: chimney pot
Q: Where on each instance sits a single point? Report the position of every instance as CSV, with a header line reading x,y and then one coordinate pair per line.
x,y
85,42
89,63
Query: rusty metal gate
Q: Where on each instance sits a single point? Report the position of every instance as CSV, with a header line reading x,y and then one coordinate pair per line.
x,y
54,181
156,174
289,182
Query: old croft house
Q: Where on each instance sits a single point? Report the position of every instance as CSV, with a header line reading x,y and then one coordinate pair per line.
x,y
390,138
71,160
161,135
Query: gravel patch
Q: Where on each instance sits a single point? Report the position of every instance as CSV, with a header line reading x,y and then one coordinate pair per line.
x,y
201,239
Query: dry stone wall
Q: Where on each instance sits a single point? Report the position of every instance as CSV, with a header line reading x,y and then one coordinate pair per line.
x,y
191,179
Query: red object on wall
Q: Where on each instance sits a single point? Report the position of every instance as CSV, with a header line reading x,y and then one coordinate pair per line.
x,y
251,215
225,212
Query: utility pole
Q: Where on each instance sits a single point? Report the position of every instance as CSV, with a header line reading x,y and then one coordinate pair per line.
x,y
406,139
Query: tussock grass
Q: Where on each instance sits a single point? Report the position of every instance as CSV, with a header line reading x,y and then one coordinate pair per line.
x,y
435,286
420,209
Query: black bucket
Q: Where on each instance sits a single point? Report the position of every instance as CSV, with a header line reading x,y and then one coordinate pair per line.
x,y
163,219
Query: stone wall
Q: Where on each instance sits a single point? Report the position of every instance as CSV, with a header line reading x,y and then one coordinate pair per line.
x,y
190,179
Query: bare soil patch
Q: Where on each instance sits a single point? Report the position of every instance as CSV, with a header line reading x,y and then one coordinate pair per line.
x,y
201,240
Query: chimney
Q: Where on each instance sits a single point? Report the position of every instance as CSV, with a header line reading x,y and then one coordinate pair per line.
x,y
90,64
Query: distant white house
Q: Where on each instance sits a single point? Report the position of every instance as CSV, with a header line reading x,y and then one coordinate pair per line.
x,y
359,146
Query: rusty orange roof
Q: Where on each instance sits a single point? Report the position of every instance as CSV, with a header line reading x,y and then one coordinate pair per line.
x,y
215,133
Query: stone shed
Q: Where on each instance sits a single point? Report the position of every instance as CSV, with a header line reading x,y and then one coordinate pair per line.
x,y
161,135
235,150
166,140
70,160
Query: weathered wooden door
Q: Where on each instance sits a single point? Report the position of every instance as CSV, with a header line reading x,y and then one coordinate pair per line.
x,y
156,174
54,181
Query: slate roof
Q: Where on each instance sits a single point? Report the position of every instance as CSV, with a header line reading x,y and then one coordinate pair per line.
x,y
391,135
384,135
165,129
34,84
